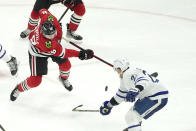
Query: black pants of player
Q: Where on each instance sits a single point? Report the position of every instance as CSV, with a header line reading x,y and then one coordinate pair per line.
x,y
39,65
45,4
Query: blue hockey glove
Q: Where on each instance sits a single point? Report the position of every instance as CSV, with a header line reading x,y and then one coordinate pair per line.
x,y
105,109
131,96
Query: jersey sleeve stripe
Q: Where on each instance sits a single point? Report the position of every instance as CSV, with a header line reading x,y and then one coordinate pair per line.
x,y
122,91
120,96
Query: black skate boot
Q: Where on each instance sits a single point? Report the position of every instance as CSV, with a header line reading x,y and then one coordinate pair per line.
x,y
25,33
13,65
126,129
72,36
15,93
66,83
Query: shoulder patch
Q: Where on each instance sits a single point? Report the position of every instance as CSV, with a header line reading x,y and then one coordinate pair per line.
x,y
50,18
48,44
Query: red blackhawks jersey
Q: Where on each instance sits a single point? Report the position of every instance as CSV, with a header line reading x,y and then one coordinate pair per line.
x,y
43,47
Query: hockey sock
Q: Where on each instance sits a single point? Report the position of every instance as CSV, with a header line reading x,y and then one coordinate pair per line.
x,y
76,18
30,82
33,20
64,69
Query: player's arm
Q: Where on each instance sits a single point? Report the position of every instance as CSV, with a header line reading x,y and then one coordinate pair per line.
x,y
61,52
119,97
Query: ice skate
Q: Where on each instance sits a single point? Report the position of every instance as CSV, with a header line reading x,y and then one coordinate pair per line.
x,y
66,83
25,33
13,65
72,36
15,93
126,129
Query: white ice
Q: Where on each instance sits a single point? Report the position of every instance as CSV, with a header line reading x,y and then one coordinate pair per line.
x,y
157,35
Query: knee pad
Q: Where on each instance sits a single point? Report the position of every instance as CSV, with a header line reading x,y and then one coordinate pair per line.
x,y
34,15
65,66
34,81
132,117
80,9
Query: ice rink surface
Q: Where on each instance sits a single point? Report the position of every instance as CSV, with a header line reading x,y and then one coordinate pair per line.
x,y
157,35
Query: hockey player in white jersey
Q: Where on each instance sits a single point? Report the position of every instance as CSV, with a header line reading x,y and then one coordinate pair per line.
x,y
10,60
136,84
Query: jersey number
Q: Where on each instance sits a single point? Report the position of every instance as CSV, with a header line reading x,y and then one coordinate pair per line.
x,y
33,40
154,80
53,51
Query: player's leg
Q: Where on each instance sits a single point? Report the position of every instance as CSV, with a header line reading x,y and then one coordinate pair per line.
x,y
10,60
34,16
30,82
76,17
38,67
64,69
144,108
133,120
147,107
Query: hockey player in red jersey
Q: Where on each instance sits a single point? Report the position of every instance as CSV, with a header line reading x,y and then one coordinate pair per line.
x,y
76,6
44,44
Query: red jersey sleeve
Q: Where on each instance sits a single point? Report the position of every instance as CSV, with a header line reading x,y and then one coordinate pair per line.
x,y
62,52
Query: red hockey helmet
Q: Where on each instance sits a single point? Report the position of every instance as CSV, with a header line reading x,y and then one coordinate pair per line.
x,y
48,30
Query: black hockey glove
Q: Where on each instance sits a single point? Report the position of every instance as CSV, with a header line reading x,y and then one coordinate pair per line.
x,y
71,3
86,54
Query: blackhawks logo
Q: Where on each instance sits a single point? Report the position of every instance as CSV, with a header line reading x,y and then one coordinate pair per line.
x,y
48,44
50,18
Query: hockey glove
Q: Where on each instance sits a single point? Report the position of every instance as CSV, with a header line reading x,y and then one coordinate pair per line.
x,y
131,96
105,109
86,54
68,3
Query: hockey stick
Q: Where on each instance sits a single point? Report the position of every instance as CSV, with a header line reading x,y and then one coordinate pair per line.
x,y
63,14
81,110
68,7
2,128
93,56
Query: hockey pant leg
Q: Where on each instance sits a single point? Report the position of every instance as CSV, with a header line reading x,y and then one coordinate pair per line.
x,y
64,69
147,107
133,120
76,17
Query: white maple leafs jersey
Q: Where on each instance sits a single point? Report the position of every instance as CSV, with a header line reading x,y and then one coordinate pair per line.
x,y
132,77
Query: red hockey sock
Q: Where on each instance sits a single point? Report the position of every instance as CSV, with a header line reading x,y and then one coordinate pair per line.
x,y
30,82
64,69
33,20
76,18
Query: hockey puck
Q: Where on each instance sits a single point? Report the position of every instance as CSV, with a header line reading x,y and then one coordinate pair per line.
x,y
155,74
106,88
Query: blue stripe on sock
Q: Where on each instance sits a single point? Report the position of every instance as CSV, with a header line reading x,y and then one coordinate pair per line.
x,y
134,126
3,55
